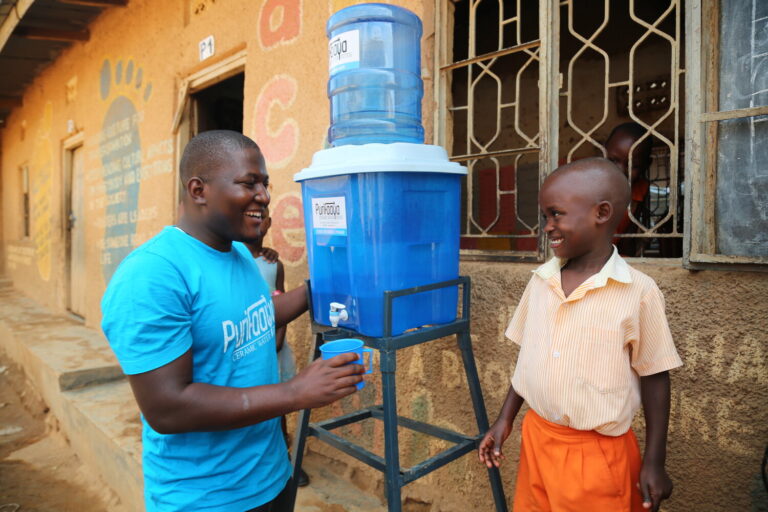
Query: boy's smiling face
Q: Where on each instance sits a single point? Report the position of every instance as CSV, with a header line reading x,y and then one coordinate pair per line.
x,y
571,215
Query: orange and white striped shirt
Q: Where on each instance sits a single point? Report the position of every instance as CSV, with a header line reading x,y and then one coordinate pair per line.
x,y
582,356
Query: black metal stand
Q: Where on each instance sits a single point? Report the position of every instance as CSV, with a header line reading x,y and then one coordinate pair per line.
x,y
397,477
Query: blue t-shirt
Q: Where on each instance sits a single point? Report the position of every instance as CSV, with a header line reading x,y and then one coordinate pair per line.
x,y
175,293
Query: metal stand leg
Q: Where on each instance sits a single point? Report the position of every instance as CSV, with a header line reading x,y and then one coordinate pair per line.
x,y
300,437
388,345
388,362
465,344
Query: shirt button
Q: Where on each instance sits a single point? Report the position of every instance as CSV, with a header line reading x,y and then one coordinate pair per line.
x,y
556,354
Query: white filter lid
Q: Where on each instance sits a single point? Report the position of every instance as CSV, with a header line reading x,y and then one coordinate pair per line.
x,y
395,157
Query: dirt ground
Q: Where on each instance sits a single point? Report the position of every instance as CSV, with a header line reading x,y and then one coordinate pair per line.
x,y
38,469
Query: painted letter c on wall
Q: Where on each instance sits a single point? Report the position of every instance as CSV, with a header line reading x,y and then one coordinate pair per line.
x,y
278,145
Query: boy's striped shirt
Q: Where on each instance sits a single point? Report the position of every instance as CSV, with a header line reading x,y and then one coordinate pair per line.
x,y
581,356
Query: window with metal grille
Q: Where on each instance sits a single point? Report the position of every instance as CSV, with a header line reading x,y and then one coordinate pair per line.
x,y
525,86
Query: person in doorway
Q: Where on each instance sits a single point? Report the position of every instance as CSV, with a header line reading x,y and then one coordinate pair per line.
x,y
594,345
193,326
634,164
273,272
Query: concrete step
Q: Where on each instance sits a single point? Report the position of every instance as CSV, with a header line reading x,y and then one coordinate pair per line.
x,y
57,352
103,426
78,377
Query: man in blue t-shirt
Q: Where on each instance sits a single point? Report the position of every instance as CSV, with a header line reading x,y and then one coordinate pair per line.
x,y
193,326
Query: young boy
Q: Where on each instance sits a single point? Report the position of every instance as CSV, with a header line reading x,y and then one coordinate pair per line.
x,y
617,149
273,272
271,269
594,343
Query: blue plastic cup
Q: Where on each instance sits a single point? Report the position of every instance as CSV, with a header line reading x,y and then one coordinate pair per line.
x,y
343,346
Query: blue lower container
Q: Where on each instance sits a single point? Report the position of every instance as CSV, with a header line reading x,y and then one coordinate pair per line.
x,y
382,217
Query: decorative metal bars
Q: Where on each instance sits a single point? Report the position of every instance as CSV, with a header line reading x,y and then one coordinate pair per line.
x,y
489,74
495,123
658,33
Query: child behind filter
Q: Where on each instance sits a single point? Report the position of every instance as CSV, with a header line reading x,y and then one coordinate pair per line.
x,y
594,344
273,272
634,164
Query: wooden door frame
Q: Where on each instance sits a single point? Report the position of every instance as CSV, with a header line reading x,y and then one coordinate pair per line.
x,y
69,145
195,80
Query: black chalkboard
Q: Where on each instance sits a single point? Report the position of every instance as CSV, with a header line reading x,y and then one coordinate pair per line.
x,y
742,145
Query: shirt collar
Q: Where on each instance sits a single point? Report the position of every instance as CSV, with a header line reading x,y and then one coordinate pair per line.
x,y
615,268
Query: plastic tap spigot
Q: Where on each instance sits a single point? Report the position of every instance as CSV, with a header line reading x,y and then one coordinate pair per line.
x,y
338,313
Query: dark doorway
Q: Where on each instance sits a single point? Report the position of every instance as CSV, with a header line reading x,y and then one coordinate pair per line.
x,y
220,106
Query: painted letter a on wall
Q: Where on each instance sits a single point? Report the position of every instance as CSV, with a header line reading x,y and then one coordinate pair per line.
x,y
279,22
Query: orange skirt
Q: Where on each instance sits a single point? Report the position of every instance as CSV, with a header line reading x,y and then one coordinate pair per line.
x,y
567,470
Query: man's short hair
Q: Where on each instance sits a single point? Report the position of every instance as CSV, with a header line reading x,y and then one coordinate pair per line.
x,y
206,152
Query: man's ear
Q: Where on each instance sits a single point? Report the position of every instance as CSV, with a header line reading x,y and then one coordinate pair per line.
x,y
603,212
196,190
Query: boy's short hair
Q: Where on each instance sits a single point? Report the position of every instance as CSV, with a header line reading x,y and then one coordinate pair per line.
x,y
636,131
606,183
207,150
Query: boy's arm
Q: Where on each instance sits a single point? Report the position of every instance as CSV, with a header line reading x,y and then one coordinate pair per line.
x,y
280,277
489,450
280,287
655,483
290,305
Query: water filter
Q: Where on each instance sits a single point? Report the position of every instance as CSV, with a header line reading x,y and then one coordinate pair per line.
x,y
382,217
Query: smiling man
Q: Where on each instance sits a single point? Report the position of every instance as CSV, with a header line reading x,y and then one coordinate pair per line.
x,y
193,325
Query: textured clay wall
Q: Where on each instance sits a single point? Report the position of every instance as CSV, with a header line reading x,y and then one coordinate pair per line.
x,y
118,93
719,418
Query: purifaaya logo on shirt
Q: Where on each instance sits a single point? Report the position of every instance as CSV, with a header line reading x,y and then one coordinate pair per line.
x,y
252,331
